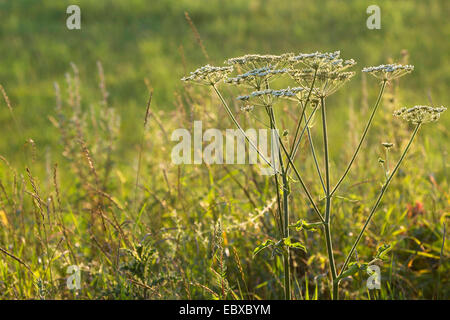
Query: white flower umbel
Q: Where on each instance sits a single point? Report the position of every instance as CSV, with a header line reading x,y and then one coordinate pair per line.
x,y
329,61
420,114
268,96
257,78
256,61
389,72
208,75
326,82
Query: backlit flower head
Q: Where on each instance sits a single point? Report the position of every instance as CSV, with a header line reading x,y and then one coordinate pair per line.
x,y
326,82
268,96
256,78
247,108
420,114
327,70
256,61
389,72
208,74
318,60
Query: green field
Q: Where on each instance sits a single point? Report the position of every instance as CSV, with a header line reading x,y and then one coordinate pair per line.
x,y
69,161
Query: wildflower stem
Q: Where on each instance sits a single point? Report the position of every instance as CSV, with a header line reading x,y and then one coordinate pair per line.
x,y
314,156
277,185
305,188
286,192
387,162
325,148
294,143
303,131
230,114
366,129
380,196
327,224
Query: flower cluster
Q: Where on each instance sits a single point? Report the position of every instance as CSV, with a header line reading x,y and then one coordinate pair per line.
x,y
328,61
388,72
266,97
326,82
208,75
420,114
256,78
327,71
256,61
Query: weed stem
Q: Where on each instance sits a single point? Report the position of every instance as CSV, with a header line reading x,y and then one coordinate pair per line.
x,y
380,196
366,129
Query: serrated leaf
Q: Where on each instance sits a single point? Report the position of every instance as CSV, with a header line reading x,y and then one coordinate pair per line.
x,y
302,224
382,251
352,269
296,245
262,246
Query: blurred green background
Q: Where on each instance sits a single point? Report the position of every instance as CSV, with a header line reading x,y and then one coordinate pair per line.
x,y
137,39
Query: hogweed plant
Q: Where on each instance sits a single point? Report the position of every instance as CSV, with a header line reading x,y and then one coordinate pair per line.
x,y
316,76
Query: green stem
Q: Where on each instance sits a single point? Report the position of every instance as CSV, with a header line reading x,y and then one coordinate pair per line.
x,y
287,276
230,114
294,143
303,131
366,129
305,189
336,290
316,163
286,191
325,148
281,224
380,196
327,223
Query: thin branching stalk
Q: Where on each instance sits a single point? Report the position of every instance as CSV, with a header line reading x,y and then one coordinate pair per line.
x,y
303,132
286,192
313,152
295,143
280,217
305,188
366,129
380,196
326,225
230,114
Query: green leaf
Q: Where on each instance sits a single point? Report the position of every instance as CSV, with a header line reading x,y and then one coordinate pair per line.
x,y
262,246
352,269
382,251
302,224
296,245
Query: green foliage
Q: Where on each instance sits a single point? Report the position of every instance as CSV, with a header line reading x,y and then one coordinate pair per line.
x,y
295,245
308,226
266,244
382,251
